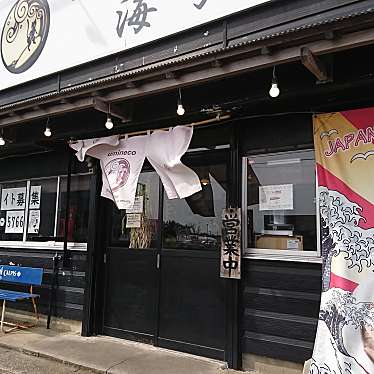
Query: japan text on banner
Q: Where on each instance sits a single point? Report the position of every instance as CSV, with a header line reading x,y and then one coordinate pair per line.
x,y
344,145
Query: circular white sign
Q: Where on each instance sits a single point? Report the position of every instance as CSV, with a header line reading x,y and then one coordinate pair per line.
x,y
24,34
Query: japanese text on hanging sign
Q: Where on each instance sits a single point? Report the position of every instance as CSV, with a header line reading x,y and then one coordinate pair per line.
x,y
231,243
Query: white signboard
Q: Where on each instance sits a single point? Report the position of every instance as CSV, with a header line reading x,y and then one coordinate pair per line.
x,y
138,205
134,221
276,197
41,37
13,198
14,222
34,222
35,196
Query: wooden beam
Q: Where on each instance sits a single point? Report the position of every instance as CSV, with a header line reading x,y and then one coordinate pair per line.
x,y
279,54
231,67
113,109
170,75
95,93
265,50
50,111
191,78
217,63
330,35
130,84
246,64
315,65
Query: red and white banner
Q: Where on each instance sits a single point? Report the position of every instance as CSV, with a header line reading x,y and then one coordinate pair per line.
x,y
344,145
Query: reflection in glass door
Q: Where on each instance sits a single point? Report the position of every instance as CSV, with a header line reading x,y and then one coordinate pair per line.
x,y
169,292
195,222
138,228
131,288
192,302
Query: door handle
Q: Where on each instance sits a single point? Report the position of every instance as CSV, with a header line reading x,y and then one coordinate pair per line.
x,y
158,261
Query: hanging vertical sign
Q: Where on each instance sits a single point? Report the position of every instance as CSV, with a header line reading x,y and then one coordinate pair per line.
x,y
231,243
344,144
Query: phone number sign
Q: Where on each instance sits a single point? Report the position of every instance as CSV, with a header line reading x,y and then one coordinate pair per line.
x,y
14,222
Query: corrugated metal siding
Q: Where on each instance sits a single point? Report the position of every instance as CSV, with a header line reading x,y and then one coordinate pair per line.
x,y
71,283
280,308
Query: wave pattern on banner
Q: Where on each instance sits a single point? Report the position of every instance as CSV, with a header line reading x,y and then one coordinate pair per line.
x,y
346,321
340,217
343,317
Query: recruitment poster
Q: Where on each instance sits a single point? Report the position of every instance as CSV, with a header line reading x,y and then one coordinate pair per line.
x,y
344,145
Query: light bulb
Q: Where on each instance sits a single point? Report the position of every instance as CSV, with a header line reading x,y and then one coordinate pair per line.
x,y
274,90
47,132
180,110
2,141
109,124
204,181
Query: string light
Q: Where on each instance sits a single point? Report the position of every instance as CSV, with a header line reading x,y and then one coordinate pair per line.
x,y
274,90
180,109
47,131
109,123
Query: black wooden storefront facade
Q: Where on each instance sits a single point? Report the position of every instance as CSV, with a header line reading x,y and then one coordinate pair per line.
x,y
166,296
71,281
273,310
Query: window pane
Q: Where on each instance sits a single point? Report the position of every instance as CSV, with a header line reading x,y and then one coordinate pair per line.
x,y
195,222
42,209
12,213
281,201
78,209
138,228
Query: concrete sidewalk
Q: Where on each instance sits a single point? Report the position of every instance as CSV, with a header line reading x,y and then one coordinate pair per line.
x,y
108,355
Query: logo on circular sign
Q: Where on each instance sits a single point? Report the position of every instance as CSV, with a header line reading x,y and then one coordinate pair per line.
x,y
24,34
